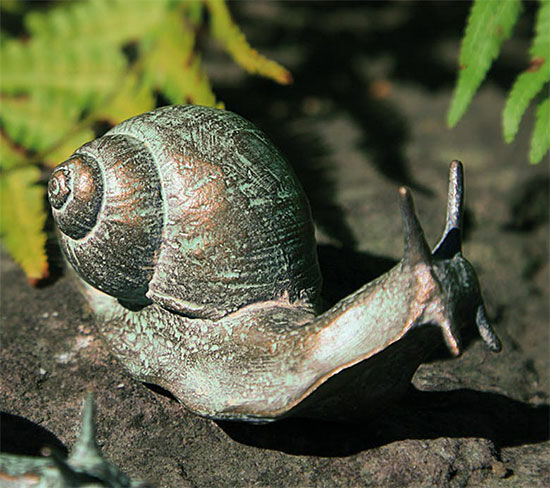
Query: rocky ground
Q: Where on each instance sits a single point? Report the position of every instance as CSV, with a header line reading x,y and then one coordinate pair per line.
x,y
365,114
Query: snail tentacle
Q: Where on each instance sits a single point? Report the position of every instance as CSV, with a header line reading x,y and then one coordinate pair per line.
x,y
450,243
416,248
486,330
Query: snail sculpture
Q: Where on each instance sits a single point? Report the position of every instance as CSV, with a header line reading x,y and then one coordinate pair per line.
x,y
195,245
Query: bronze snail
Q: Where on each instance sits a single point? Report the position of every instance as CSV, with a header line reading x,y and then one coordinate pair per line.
x,y
195,247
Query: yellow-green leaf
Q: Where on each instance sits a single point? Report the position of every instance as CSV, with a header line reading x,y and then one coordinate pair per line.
x,y
10,155
540,142
172,66
108,21
525,88
68,145
89,61
133,98
79,70
37,122
233,40
22,219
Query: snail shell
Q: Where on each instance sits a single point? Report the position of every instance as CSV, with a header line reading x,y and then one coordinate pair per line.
x,y
195,245
188,207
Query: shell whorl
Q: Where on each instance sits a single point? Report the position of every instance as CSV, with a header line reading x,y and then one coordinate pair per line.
x,y
107,204
75,191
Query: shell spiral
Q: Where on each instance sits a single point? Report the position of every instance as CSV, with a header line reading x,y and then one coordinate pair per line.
x,y
189,207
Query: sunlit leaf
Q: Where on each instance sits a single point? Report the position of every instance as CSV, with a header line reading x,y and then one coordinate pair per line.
x,y
67,146
10,155
22,218
230,36
37,121
173,49
540,142
529,83
89,62
114,22
490,23
134,97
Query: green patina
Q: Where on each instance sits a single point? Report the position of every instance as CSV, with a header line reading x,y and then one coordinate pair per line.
x,y
226,323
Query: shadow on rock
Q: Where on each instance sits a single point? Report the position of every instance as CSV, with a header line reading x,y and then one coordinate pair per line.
x,y
345,270
25,438
420,415
530,204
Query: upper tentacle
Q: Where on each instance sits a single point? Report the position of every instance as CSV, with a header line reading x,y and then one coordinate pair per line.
x,y
416,248
451,240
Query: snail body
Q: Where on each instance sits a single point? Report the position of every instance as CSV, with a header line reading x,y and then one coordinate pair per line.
x,y
195,247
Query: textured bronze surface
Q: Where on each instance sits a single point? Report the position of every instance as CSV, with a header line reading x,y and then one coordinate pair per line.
x,y
205,257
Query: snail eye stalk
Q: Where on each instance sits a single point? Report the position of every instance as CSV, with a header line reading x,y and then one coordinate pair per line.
x,y
451,241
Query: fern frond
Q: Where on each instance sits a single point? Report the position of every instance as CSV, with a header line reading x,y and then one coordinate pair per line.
x,y
89,61
531,81
37,122
525,88
134,97
22,218
80,70
489,25
66,146
540,142
115,22
172,66
193,11
233,40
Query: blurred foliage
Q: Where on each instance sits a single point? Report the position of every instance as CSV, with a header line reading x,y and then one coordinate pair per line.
x,y
489,24
83,63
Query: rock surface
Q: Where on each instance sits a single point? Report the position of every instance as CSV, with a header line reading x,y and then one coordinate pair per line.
x,y
366,114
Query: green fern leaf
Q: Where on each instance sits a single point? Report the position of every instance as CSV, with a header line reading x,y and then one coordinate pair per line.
x,y
531,81
193,11
490,23
79,71
525,88
113,22
134,97
173,49
540,142
36,122
230,36
72,63
22,218
74,70
66,146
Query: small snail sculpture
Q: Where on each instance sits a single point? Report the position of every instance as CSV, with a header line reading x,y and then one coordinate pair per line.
x,y
195,247
85,467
